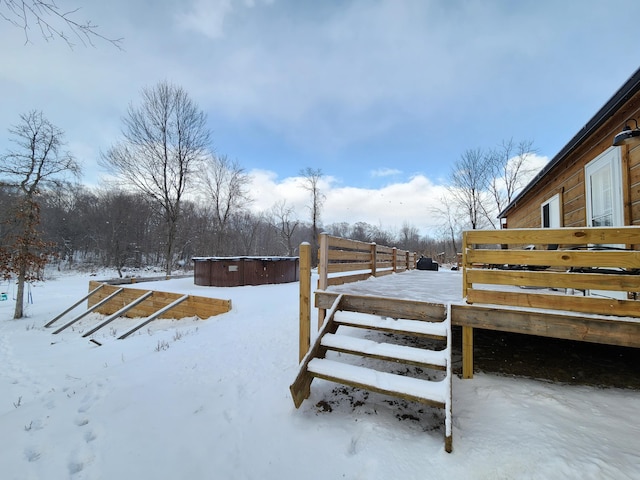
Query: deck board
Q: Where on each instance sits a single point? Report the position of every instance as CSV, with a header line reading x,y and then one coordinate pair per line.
x,y
445,287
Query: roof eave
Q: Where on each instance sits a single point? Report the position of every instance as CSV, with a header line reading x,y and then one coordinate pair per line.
x,y
624,93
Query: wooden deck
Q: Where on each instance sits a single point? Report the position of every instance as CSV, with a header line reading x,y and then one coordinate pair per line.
x,y
557,283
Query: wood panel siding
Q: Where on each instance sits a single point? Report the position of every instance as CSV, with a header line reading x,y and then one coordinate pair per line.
x,y
634,185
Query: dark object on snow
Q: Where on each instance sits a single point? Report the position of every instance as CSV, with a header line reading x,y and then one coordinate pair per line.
x,y
426,263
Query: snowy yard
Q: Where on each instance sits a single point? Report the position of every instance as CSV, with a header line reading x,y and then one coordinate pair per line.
x,y
210,400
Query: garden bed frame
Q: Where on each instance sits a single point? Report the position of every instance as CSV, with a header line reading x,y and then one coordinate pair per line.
x,y
116,301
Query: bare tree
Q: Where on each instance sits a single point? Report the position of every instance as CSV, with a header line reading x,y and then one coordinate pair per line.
x,y
311,183
245,228
340,229
37,161
451,225
165,138
409,237
226,188
469,180
122,216
509,170
362,232
382,236
285,224
52,21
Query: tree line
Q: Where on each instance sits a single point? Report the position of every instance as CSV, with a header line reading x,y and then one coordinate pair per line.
x,y
92,228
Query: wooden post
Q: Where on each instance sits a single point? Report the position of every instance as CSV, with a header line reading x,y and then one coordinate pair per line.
x,y
305,299
467,352
374,259
323,272
467,332
395,259
465,286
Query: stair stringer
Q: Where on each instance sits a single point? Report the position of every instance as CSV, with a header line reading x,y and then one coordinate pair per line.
x,y
362,377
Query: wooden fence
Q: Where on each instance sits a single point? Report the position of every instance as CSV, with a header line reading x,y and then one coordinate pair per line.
x,y
586,270
569,277
340,256
342,260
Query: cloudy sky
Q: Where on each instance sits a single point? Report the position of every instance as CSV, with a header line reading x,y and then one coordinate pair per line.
x,y
382,96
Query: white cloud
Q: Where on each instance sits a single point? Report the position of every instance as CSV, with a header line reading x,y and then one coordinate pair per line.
x,y
390,207
206,17
209,17
413,201
385,172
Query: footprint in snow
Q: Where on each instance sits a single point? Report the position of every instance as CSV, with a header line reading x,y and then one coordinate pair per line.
x,y
90,436
79,461
81,421
75,467
32,454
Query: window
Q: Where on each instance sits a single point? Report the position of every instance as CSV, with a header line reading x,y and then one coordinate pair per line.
x,y
603,184
603,189
550,212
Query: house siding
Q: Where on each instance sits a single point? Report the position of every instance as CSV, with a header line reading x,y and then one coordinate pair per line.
x,y
634,180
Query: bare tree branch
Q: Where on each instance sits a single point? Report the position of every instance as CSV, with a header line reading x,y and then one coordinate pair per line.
x,y
469,179
36,161
283,221
311,183
226,189
165,139
509,170
51,20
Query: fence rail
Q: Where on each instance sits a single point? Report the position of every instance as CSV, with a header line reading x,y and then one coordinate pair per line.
x,y
342,260
586,270
342,255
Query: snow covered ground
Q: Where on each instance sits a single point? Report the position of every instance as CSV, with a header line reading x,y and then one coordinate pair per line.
x,y
210,399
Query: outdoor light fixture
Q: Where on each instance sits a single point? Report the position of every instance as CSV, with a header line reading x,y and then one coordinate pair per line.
x,y
627,136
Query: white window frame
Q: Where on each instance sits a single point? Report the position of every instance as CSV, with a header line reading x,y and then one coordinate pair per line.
x,y
554,211
612,159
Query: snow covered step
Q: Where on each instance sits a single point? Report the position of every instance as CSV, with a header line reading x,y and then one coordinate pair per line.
x,y
386,351
424,391
437,330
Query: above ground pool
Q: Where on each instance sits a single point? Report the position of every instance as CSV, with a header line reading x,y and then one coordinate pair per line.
x,y
237,271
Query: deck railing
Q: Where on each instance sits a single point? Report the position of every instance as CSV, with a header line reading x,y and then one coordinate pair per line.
x,y
342,260
586,270
340,256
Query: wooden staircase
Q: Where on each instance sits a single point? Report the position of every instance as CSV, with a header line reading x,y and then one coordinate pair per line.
x,y
436,393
